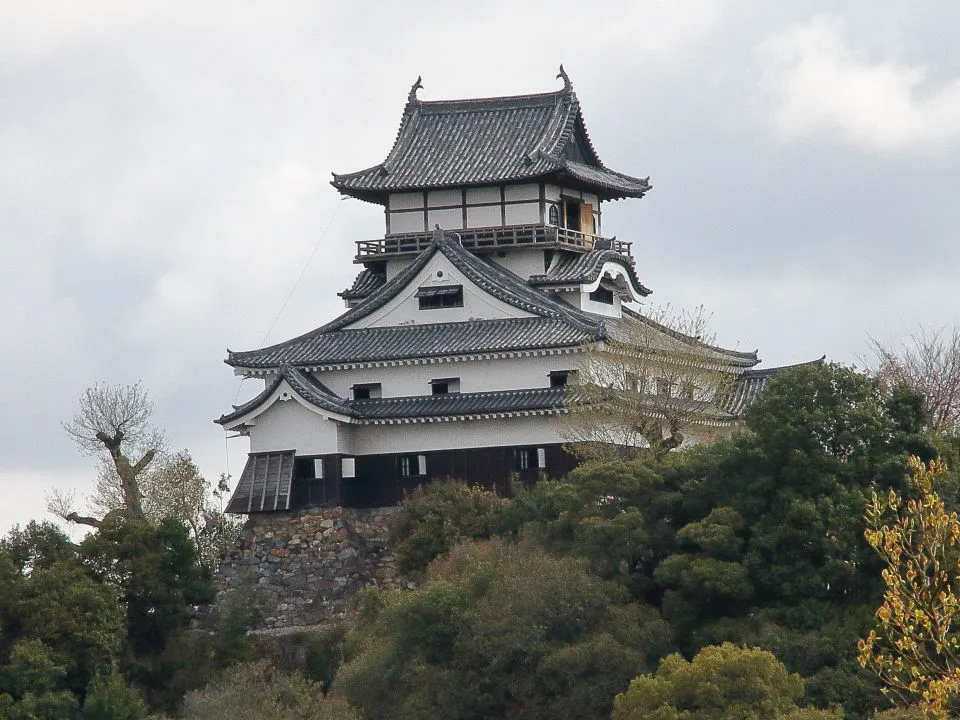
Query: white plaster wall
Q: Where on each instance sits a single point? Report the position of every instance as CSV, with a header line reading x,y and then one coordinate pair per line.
x,y
395,265
438,198
484,216
451,219
483,195
405,201
521,192
598,308
522,213
376,439
407,222
288,425
475,375
551,192
521,262
405,308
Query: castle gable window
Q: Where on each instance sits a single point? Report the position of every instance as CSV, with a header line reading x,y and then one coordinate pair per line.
x,y
440,296
602,295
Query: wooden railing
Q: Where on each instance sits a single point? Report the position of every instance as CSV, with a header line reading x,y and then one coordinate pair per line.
x,y
490,238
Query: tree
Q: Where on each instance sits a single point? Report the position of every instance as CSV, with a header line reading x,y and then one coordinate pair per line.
x,y
434,518
138,477
112,422
928,363
498,630
645,385
915,646
721,683
259,690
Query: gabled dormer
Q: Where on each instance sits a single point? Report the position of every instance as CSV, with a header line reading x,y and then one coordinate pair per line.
x,y
507,174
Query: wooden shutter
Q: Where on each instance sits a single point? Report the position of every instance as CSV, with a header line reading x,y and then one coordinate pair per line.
x,y
586,218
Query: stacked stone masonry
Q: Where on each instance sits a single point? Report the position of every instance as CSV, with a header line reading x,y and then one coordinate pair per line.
x,y
307,566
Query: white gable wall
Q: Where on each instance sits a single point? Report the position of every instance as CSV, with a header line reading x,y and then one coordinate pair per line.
x,y
404,309
288,425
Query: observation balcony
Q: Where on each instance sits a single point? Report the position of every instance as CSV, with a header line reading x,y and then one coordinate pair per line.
x,y
490,239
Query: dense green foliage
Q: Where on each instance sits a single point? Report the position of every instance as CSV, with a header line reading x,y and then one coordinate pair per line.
x,y
499,630
721,683
754,540
258,691
726,581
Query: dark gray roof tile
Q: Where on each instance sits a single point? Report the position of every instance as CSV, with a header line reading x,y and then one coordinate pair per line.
x,y
490,140
577,269
751,384
365,284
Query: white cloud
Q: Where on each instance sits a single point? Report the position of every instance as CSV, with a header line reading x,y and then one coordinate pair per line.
x,y
818,83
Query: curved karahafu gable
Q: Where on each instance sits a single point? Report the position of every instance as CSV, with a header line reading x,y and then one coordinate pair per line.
x,y
588,269
456,143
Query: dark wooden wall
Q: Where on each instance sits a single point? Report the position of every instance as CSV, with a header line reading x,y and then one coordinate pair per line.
x,y
378,481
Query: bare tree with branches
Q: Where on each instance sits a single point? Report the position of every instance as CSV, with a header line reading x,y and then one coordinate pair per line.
x,y
645,385
136,473
928,363
112,422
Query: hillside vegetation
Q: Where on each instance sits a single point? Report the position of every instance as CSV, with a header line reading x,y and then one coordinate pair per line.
x,y
730,581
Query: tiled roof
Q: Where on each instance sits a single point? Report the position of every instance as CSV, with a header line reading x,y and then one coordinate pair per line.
x,y
415,341
365,284
636,329
324,345
460,404
304,384
264,484
751,383
403,408
577,269
490,140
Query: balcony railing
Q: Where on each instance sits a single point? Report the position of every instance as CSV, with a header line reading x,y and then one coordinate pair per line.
x,y
491,238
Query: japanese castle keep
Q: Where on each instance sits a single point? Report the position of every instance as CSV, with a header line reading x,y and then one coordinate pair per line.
x,y
467,318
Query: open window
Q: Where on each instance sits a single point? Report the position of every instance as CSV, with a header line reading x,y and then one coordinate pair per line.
x,y
578,216
367,391
602,295
530,458
412,465
562,378
440,296
444,386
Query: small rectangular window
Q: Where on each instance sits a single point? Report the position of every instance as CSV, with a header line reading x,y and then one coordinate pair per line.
x,y
664,387
318,468
542,458
444,386
525,459
412,465
602,295
440,296
348,467
366,391
562,378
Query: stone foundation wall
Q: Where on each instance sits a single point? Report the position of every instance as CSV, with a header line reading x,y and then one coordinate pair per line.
x,y
308,565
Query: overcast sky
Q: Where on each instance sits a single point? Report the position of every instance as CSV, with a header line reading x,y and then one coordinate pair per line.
x,y
165,166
